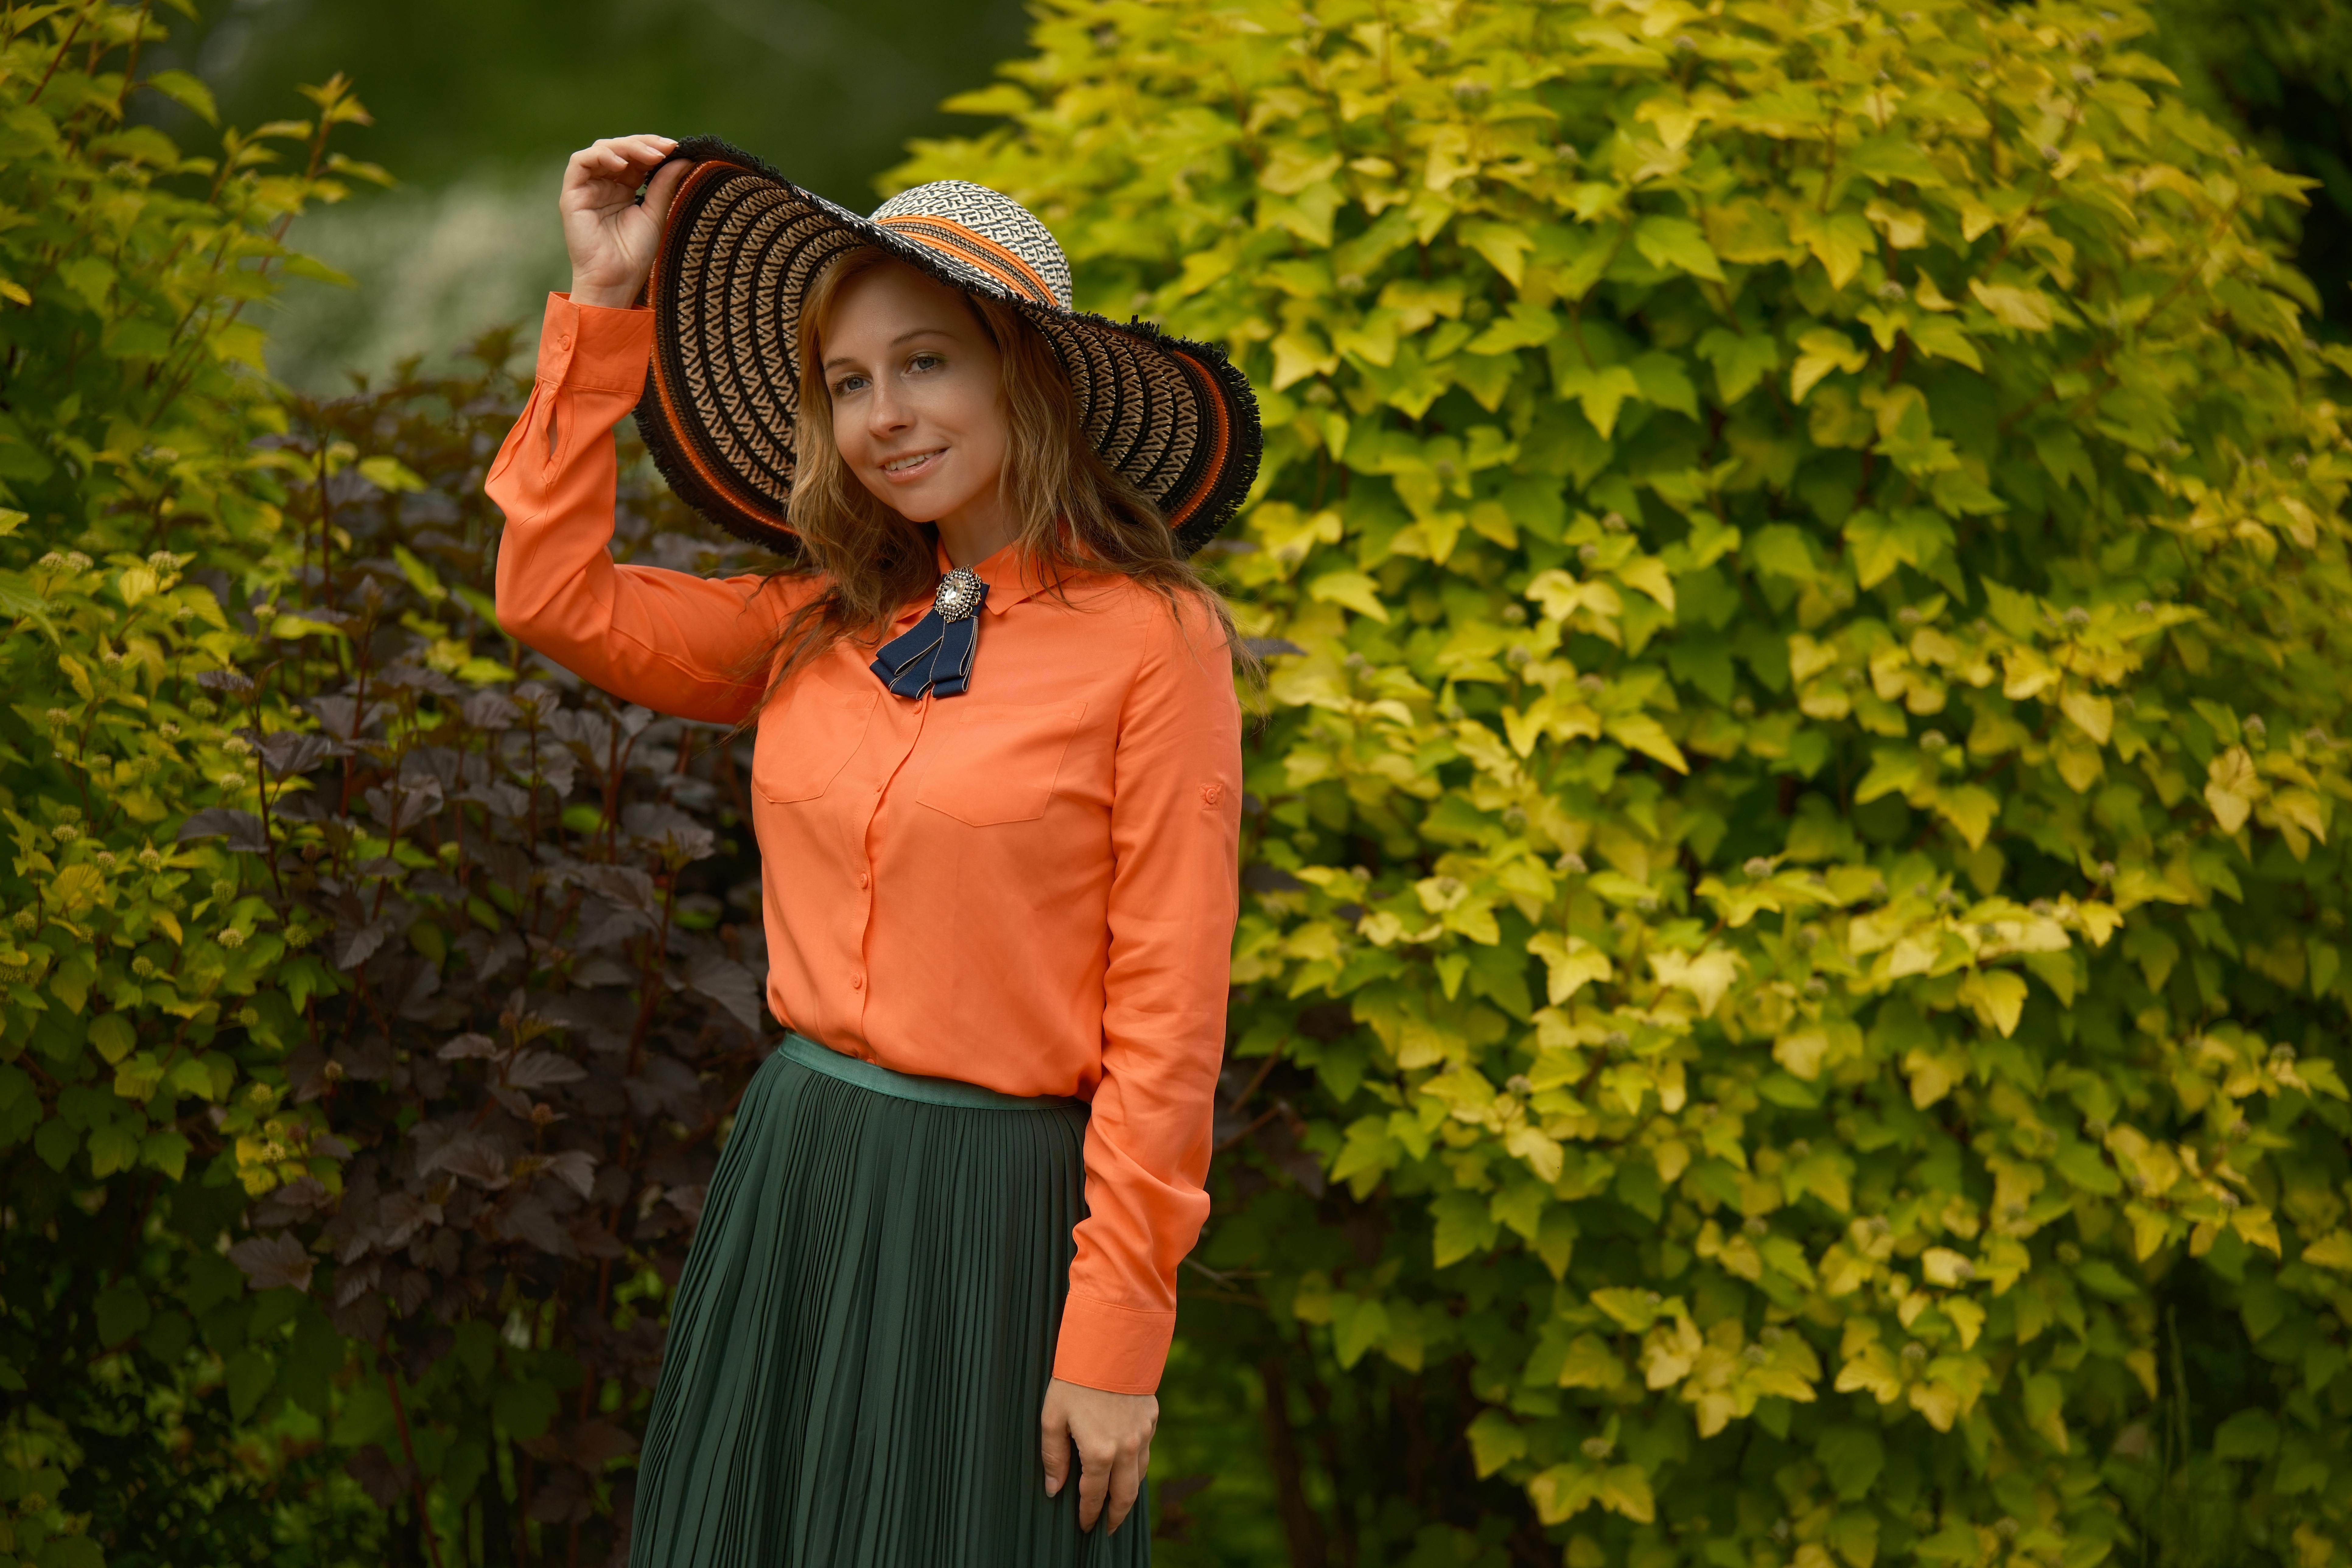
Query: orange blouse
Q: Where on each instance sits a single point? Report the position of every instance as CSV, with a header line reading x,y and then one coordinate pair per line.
x,y
1031,886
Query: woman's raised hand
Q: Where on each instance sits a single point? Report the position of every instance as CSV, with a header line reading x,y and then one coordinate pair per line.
x,y
610,234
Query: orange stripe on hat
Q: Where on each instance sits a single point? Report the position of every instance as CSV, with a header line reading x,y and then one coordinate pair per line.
x,y
1214,396
1005,267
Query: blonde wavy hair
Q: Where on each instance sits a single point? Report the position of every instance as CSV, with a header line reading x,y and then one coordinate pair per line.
x,y
1077,515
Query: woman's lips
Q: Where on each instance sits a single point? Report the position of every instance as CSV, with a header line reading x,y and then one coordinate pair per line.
x,y
901,470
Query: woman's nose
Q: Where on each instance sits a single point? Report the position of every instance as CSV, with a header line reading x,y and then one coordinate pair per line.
x,y
886,411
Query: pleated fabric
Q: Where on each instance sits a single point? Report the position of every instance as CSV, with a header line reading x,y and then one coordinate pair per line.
x,y
864,1332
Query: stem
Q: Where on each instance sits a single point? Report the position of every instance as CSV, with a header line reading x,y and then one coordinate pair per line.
x,y
408,1447
1301,1527
58,58
261,788
1326,1440
131,70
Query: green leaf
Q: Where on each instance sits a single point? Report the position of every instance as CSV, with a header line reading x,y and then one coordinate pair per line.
x,y
2028,310
186,91
2080,1163
1601,392
1852,1457
1636,1309
249,1376
1592,1363
72,1552
1665,382
1741,362
166,1151
122,1311
56,1143
421,577
2102,1278
16,595
1496,1440
1910,536
2251,1434
1562,1492
1839,241
1676,243
114,1147
1504,247
524,1408
1818,353
390,474
1464,1226
1355,590
1645,734
1941,337
1625,1490
1956,1543
290,627
1357,1327
2326,964
112,1035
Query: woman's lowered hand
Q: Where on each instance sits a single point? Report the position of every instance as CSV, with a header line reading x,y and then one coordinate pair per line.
x,y
612,234
1113,1435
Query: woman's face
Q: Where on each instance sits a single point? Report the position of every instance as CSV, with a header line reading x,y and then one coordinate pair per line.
x,y
916,384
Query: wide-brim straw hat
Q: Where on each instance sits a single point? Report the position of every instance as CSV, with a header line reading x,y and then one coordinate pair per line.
x,y
743,244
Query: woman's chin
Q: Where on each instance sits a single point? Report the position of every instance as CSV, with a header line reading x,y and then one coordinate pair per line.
x,y
913,502
922,502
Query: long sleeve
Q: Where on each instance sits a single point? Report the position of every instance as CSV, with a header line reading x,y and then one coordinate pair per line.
x,y
669,640
1175,830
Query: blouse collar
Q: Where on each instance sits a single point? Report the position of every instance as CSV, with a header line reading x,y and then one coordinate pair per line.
x,y
1012,574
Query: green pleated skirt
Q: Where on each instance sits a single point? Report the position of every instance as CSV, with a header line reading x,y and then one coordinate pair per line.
x,y
864,1332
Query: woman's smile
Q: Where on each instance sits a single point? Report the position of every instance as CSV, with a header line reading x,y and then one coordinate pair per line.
x,y
913,466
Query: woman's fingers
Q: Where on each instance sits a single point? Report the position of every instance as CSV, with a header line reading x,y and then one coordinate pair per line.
x,y
1126,1481
660,189
1096,1462
1055,1436
1110,1474
616,157
640,150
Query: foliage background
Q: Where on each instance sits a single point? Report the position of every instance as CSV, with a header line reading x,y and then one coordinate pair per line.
x,y
477,106
1775,533
1755,1139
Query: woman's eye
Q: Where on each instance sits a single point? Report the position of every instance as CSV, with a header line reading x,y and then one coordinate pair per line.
x,y
847,385
926,362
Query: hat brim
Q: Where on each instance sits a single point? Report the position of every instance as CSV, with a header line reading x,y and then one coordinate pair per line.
x,y
743,244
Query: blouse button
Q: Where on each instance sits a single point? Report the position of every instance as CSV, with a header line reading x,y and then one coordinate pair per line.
x,y
857,983
863,878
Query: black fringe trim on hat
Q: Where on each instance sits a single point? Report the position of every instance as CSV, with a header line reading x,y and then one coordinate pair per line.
x,y
662,441
1246,437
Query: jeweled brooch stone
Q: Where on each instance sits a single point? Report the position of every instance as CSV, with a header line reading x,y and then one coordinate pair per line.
x,y
959,595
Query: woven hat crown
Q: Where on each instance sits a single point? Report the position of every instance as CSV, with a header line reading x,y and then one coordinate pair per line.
x,y
995,241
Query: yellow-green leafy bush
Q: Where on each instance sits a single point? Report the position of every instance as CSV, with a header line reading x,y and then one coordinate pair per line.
x,y
1795,868
147,988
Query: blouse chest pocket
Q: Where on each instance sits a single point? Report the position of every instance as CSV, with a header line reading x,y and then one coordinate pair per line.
x,y
807,738
997,763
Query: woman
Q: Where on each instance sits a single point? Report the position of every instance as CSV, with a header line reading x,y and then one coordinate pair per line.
x,y
998,784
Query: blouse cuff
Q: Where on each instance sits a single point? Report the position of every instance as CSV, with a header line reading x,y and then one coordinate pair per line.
x,y
594,347
1116,1349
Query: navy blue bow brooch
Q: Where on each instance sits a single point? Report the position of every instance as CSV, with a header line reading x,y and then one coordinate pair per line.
x,y
937,654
